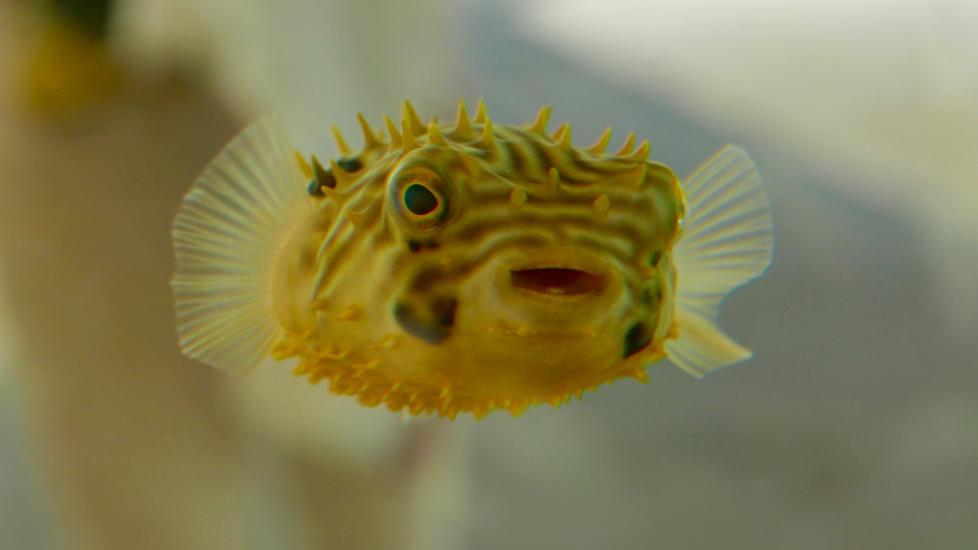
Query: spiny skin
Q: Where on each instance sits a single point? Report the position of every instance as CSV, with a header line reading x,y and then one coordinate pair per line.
x,y
469,267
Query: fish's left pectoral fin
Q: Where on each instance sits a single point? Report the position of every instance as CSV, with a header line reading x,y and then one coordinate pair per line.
x,y
701,347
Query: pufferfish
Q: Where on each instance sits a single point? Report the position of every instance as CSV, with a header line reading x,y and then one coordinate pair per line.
x,y
464,267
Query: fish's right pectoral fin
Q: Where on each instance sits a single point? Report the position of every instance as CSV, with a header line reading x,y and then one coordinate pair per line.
x,y
727,241
227,234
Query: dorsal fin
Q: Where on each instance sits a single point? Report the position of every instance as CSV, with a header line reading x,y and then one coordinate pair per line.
x,y
727,240
227,235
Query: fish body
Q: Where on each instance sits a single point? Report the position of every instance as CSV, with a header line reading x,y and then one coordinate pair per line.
x,y
463,267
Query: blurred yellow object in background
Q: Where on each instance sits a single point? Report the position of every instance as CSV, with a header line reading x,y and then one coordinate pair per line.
x,y
68,69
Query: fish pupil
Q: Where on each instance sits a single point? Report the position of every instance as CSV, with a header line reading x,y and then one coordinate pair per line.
x,y
419,199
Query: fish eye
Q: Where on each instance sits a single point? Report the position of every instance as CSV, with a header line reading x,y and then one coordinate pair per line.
x,y
419,200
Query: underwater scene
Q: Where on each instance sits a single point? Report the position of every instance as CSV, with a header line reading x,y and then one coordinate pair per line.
x,y
482,274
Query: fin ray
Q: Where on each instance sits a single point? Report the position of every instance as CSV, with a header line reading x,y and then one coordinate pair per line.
x,y
226,235
702,347
727,241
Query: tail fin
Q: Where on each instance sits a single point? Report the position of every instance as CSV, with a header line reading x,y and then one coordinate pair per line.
x,y
727,241
227,235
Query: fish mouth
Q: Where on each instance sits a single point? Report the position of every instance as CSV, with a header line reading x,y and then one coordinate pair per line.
x,y
557,281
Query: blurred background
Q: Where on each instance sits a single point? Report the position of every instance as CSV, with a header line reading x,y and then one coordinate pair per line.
x,y
855,425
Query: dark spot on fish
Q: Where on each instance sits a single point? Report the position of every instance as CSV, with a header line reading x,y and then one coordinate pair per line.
x,y
314,188
656,256
637,337
432,324
323,176
415,245
350,164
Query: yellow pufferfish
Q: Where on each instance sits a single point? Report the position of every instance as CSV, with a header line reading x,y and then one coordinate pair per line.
x,y
464,267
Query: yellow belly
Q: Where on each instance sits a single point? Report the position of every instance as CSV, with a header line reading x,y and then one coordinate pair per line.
x,y
486,363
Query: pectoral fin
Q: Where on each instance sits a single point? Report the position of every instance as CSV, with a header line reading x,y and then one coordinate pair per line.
x,y
227,235
727,241
702,346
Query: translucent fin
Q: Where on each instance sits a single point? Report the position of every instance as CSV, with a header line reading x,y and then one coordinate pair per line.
x,y
727,241
227,234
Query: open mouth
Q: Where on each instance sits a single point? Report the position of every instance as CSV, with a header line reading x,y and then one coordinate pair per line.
x,y
557,281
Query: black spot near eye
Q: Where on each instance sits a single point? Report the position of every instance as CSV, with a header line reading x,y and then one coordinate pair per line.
x,y
324,177
350,164
655,258
419,199
637,337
